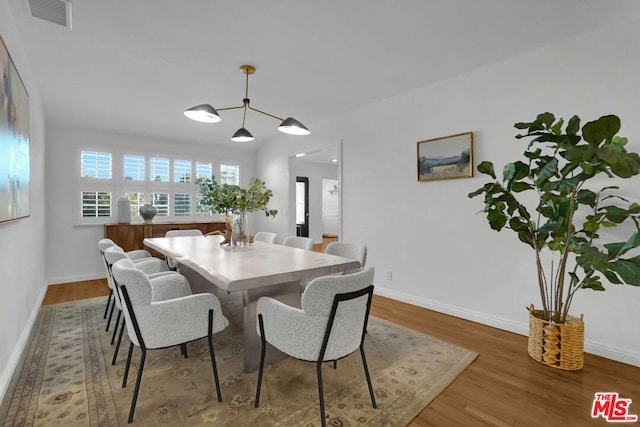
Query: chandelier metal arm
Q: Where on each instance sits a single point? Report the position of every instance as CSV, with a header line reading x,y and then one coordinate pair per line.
x,y
230,108
265,113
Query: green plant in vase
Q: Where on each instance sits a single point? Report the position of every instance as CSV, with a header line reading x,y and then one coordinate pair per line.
x,y
564,218
235,202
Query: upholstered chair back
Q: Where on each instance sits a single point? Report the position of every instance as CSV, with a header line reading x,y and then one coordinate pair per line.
x,y
348,250
299,242
189,232
348,325
301,334
265,236
103,244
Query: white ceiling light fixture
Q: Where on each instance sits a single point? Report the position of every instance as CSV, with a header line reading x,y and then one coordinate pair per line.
x,y
205,113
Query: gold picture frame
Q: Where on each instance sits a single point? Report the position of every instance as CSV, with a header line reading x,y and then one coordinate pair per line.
x,y
447,157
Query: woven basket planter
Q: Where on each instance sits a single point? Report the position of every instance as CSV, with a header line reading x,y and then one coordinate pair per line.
x,y
557,345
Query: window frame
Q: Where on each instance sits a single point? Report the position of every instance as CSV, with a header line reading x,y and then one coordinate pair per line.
x,y
118,186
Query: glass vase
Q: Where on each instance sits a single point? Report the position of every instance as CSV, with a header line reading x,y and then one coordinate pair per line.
x,y
240,229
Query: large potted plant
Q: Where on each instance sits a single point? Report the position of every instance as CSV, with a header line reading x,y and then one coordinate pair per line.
x,y
235,202
545,200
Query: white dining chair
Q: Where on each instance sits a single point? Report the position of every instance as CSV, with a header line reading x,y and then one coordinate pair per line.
x,y
349,250
265,236
330,325
187,232
153,267
299,242
173,264
148,264
103,244
159,324
197,283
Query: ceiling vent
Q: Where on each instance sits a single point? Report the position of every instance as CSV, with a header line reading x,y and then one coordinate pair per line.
x,y
56,11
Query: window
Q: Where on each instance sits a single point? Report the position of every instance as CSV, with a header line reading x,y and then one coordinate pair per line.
x,y
137,200
204,170
163,180
230,174
202,209
95,165
161,202
159,169
182,204
181,171
133,167
95,190
95,204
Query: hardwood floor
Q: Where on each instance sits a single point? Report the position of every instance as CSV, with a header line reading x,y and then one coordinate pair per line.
x,y
66,292
321,247
503,387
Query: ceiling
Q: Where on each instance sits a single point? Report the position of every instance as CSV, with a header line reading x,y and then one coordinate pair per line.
x,y
134,66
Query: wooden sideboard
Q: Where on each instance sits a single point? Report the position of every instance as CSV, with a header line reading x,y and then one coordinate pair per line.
x,y
130,236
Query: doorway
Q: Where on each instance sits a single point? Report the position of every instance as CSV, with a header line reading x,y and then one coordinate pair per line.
x,y
302,206
315,165
330,208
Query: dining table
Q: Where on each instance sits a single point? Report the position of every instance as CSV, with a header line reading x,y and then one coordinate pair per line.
x,y
258,270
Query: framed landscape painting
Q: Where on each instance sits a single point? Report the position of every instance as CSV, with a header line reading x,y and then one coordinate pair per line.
x,y
14,141
446,157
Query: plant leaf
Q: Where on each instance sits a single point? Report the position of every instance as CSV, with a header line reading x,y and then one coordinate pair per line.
x,y
486,168
633,242
593,283
628,271
627,167
573,125
497,220
518,187
602,129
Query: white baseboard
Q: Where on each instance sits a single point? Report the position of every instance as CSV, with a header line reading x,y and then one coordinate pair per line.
x,y
592,347
18,349
74,278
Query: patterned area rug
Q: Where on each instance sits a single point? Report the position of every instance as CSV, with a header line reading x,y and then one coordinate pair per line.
x,y
66,378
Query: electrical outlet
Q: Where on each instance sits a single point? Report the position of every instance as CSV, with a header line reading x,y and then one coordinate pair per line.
x,y
389,276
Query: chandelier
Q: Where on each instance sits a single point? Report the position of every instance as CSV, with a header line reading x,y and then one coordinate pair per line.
x,y
205,113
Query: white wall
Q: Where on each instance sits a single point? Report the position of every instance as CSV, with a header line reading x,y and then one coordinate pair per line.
x,y
441,253
71,248
22,242
315,172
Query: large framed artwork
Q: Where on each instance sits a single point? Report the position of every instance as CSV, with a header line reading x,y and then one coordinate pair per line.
x,y
446,157
15,197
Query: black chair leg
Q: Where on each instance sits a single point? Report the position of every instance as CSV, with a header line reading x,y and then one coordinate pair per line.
x,y
366,373
134,399
106,309
262,353
113,305
126,367
115,328
335,364
117,349
213,357
183,350
321,393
